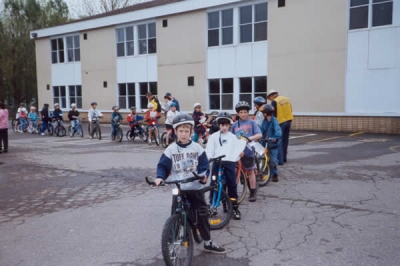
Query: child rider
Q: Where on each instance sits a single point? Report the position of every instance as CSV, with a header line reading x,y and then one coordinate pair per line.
x,y
187,153
115,118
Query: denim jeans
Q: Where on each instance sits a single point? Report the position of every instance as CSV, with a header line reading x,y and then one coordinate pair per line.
x,y
74,126
273,153
23,124
45,125
32,125
112,130
230,175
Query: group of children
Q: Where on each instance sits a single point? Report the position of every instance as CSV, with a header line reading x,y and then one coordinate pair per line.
x,y
26,121
188,152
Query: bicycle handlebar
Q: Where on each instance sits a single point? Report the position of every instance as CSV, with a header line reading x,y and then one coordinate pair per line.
x,y
219,158
186,180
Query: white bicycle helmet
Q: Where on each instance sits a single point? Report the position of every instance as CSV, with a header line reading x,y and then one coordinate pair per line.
x,y
56,104
73,105
196,104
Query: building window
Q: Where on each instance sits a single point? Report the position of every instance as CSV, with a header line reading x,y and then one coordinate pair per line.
x,y
75,95
60,96
145,87
126,95
220,94
253,23
381,10
73,49
220,28
147,38
57,50
125,45
248,92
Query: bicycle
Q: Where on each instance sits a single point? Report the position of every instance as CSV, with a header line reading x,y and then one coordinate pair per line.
x,y
59,130
262,159
77,128
138,131
49,128
181,227
220,205
96,130
33,127
118,134
154,135
172,138
15,124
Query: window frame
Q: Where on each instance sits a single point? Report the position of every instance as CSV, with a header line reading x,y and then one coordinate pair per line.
x,y
67,97
60,97
370,14
127,95
220,28
254,93
75,50
125,42
253,23
221,93
58,50
76,96
149,88
147,39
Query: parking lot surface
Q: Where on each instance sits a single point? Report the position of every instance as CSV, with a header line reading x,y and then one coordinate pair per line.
x,y
72,201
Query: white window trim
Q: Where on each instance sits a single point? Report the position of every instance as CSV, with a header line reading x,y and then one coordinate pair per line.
x,y
220,27
67,96
58,55
370,27
126,96
66,48
220,94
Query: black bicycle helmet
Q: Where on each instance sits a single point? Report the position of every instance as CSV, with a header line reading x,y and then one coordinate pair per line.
x,y
133,108
46,104
259,100
242,105
267,109
115,107
182,119
224,118
93,103
214,113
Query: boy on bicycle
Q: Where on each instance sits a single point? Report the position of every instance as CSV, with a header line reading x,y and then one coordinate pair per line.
x,y
33,119
115,118
57,115
180,159
93,116
73,116
172,113
45,114
224,143
244,126
133,119
151,117
271,131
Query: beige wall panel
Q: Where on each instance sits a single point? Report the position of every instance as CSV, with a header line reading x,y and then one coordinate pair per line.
x,y
181,52
43,69
98,65
307,53
173,79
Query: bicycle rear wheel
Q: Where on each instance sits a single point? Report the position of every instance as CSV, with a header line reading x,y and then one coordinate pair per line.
x,y
221,212
14,124
98,132
155,138
119,135
264,175
241,182
164,140
176,242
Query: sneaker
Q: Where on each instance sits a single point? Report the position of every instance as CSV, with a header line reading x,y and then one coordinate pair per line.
x,y
236,214
214,248
149,141
42,134
275,178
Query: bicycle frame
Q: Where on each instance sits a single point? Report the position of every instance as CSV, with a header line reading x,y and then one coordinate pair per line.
x,y
219,185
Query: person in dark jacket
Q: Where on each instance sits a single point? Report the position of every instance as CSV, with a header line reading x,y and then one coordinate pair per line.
x,y
57,115
45,114
73,116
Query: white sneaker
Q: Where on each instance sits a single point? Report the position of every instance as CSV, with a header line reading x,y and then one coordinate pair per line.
x,y
42,134
149,142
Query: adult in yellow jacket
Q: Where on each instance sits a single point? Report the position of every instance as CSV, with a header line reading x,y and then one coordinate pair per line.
x,y
282,112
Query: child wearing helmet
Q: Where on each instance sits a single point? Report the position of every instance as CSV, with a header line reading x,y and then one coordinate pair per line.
x,y
57,115
73,116
244,126
116,117
45,114
93,116
212,124
133,120
172,113
258,116
33,119
225,143
23,120
199,129
151,117
272,132
180,159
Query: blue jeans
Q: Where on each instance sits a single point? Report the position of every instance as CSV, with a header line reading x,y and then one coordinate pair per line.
x,y
22,124
283,147
112,131
273,153
45,125
74,126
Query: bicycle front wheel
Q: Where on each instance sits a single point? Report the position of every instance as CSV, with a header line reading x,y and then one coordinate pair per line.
x,y
176,242
119,135
164,140
98,132
264,174
219,212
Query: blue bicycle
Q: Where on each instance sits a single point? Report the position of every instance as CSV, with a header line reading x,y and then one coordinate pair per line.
x,y
220,205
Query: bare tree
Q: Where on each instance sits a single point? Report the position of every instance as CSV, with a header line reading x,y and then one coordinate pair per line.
x,y
86,8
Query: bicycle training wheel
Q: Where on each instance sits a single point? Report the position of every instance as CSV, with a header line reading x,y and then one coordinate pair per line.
x,y
164,139
119,135
220,212
241,182
264,175
176,242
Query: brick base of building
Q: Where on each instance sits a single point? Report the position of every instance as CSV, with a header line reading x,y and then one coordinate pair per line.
x,y
366,124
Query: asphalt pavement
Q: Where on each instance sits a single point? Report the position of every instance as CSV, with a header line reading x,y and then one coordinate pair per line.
x,y
74,201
